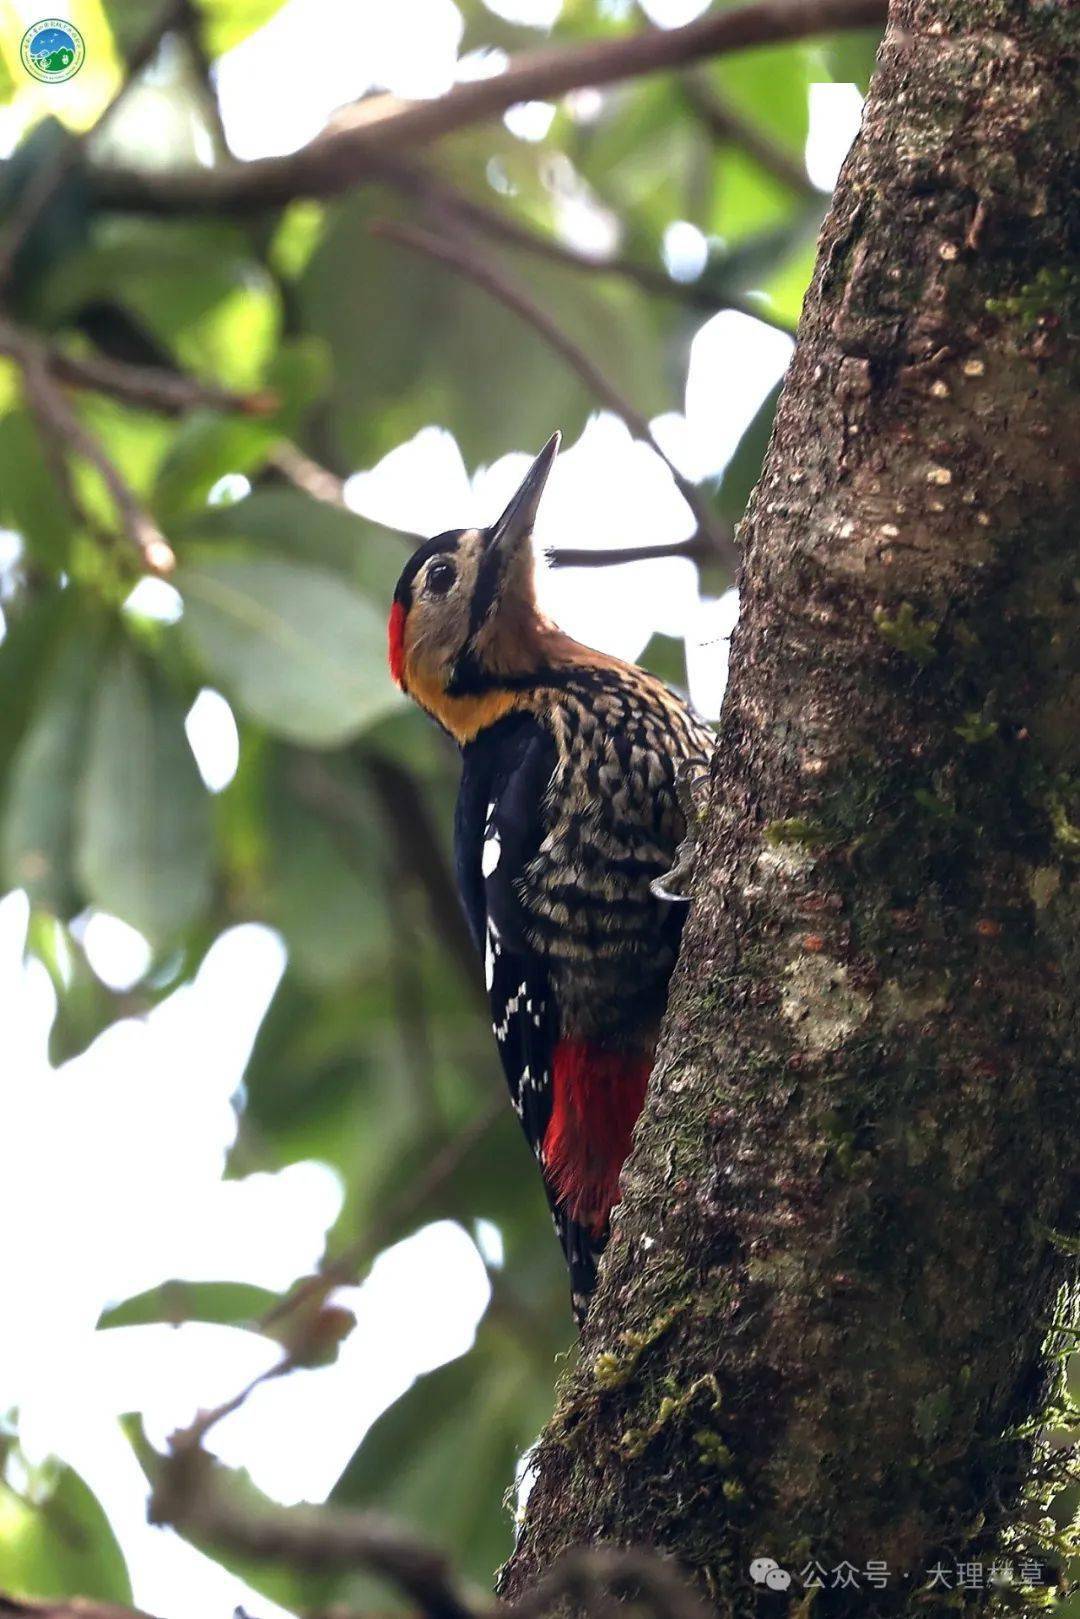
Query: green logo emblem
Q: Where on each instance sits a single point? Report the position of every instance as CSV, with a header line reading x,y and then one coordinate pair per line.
x,y
52,50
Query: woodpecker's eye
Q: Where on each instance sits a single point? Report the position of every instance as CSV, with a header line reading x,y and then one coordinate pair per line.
x,y
441,576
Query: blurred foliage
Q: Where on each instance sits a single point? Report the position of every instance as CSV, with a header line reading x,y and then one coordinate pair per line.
x,y
375,1053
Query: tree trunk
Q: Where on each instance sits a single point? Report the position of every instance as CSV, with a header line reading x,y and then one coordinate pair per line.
x,y
826,1298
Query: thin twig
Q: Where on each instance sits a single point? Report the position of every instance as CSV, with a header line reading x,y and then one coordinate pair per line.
x,y
152,388
458,255
340,156
584,556
348,1267
46,181
191,1437
147,387
326,792
444,199
306,474
62,431
311,478
310,1294
408,824
727,124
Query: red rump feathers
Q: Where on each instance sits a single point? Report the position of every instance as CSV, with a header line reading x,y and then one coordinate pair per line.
x,y
395,635
597,1096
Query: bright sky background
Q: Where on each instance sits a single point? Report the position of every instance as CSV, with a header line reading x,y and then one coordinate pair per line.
x,y
133,1134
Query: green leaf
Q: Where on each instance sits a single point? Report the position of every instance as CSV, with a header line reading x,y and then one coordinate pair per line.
x,y
300,650
227,1304
748,202
786,289
37,836
143,849
327,1080
227,22
744,468
31,501
210,443
205,447
850,58
310,531
84,1005
60,230
469,1422
422,345
35,630
329,909
223,23
60,1546
165,275
770,85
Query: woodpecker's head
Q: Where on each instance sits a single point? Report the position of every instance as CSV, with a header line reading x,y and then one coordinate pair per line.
x,y
464,622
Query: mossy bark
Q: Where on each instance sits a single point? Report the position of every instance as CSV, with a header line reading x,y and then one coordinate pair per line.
x,y
825,1301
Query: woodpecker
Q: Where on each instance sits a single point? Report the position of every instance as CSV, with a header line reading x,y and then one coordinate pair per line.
x,y
567,820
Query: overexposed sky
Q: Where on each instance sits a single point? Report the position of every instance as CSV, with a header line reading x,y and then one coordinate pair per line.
x,y
113,1178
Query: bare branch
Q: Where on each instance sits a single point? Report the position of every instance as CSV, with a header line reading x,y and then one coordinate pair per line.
x,y
343,153
458,255
348,1267
584,556
63,432
449,204
321,1538
727,124
306,474
191,1437
188,1496
590,1578
146,387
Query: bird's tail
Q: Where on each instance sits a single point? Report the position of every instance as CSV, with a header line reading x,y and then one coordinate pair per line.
x,y
582,1246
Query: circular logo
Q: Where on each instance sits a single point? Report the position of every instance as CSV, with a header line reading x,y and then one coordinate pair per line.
x,y
52,50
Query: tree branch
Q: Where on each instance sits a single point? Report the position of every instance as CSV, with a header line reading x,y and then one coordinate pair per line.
x,y
146,387
341,155
188,1496
450,206
307,475
63,432
588,1577
727,124
458,255
584,556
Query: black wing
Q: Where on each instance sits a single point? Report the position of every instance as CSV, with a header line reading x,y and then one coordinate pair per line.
x,y
498,830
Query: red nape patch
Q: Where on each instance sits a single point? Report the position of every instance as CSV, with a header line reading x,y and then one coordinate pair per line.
x,y
597,1096
395,636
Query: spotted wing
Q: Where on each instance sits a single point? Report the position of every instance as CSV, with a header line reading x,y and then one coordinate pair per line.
x,y
499,828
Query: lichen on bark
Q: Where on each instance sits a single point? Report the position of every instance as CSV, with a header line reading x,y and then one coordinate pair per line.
x,y
823,1307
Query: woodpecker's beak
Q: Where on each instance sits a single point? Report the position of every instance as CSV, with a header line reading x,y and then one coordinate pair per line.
x,y
516,522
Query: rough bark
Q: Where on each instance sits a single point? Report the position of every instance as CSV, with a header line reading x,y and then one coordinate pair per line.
x,y
825,1301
